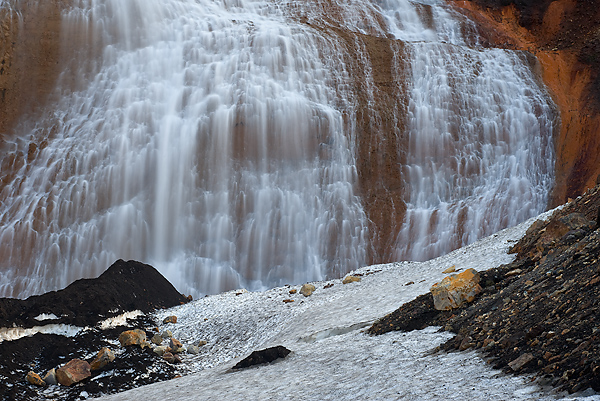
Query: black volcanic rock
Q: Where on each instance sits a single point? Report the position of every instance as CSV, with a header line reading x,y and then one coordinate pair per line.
x,y
266,355
124,286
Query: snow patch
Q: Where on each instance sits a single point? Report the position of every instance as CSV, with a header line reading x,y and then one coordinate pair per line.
x,y
45,316
14,333
120,320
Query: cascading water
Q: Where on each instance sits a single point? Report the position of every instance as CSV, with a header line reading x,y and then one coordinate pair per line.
x,y
480,155
216,141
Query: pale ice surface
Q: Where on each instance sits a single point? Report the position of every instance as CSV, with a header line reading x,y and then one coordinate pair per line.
x,y
332,357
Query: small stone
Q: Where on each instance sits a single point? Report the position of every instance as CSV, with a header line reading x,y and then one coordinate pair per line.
x,y
327,286
350,279
287,301
202,343
156,339
35,379
160,350
170,319
171,358
307,290
73,372
133,337
410,283
513,273
50,377
293,291
175,345
521,361
193,349
104,357
451,269
167,334
487,342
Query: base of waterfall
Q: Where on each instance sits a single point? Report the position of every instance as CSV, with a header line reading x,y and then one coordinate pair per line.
x,y
514,345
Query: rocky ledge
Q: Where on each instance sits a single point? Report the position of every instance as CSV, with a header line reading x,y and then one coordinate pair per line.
x,y
537,315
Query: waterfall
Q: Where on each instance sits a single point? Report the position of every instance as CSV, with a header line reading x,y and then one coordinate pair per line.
x,y
480,154
217,141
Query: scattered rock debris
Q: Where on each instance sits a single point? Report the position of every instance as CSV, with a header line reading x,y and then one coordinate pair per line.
x,y
539,314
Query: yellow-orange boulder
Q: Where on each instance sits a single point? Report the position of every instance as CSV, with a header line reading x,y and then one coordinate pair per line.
x,y
455,290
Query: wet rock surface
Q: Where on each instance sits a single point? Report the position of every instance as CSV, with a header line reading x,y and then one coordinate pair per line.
x,y
84,303
538,314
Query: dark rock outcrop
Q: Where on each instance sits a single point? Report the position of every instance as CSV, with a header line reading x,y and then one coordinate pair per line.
x,y
538,314
125,286
266,355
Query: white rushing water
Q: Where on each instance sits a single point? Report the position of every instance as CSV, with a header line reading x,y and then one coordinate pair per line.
x,y
216,141
480,155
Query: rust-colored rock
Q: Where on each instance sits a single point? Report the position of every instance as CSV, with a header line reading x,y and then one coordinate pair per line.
x,y
132,337
455,290
350,279
104,357
73,372
170,319
35,379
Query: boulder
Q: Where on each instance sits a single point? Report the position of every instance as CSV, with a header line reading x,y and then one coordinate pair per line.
x,y
73,372
263,356
350,279
202,343
451,269
133,337
104,357
166,334
455,290
307,290
35,379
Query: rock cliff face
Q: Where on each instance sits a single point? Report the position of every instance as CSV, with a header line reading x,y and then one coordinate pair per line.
x,y
29,59
564,35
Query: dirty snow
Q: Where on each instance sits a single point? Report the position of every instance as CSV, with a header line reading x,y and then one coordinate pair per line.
x,y
332,357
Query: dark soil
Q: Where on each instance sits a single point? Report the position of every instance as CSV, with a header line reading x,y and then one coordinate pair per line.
x,y
125,286
545,304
